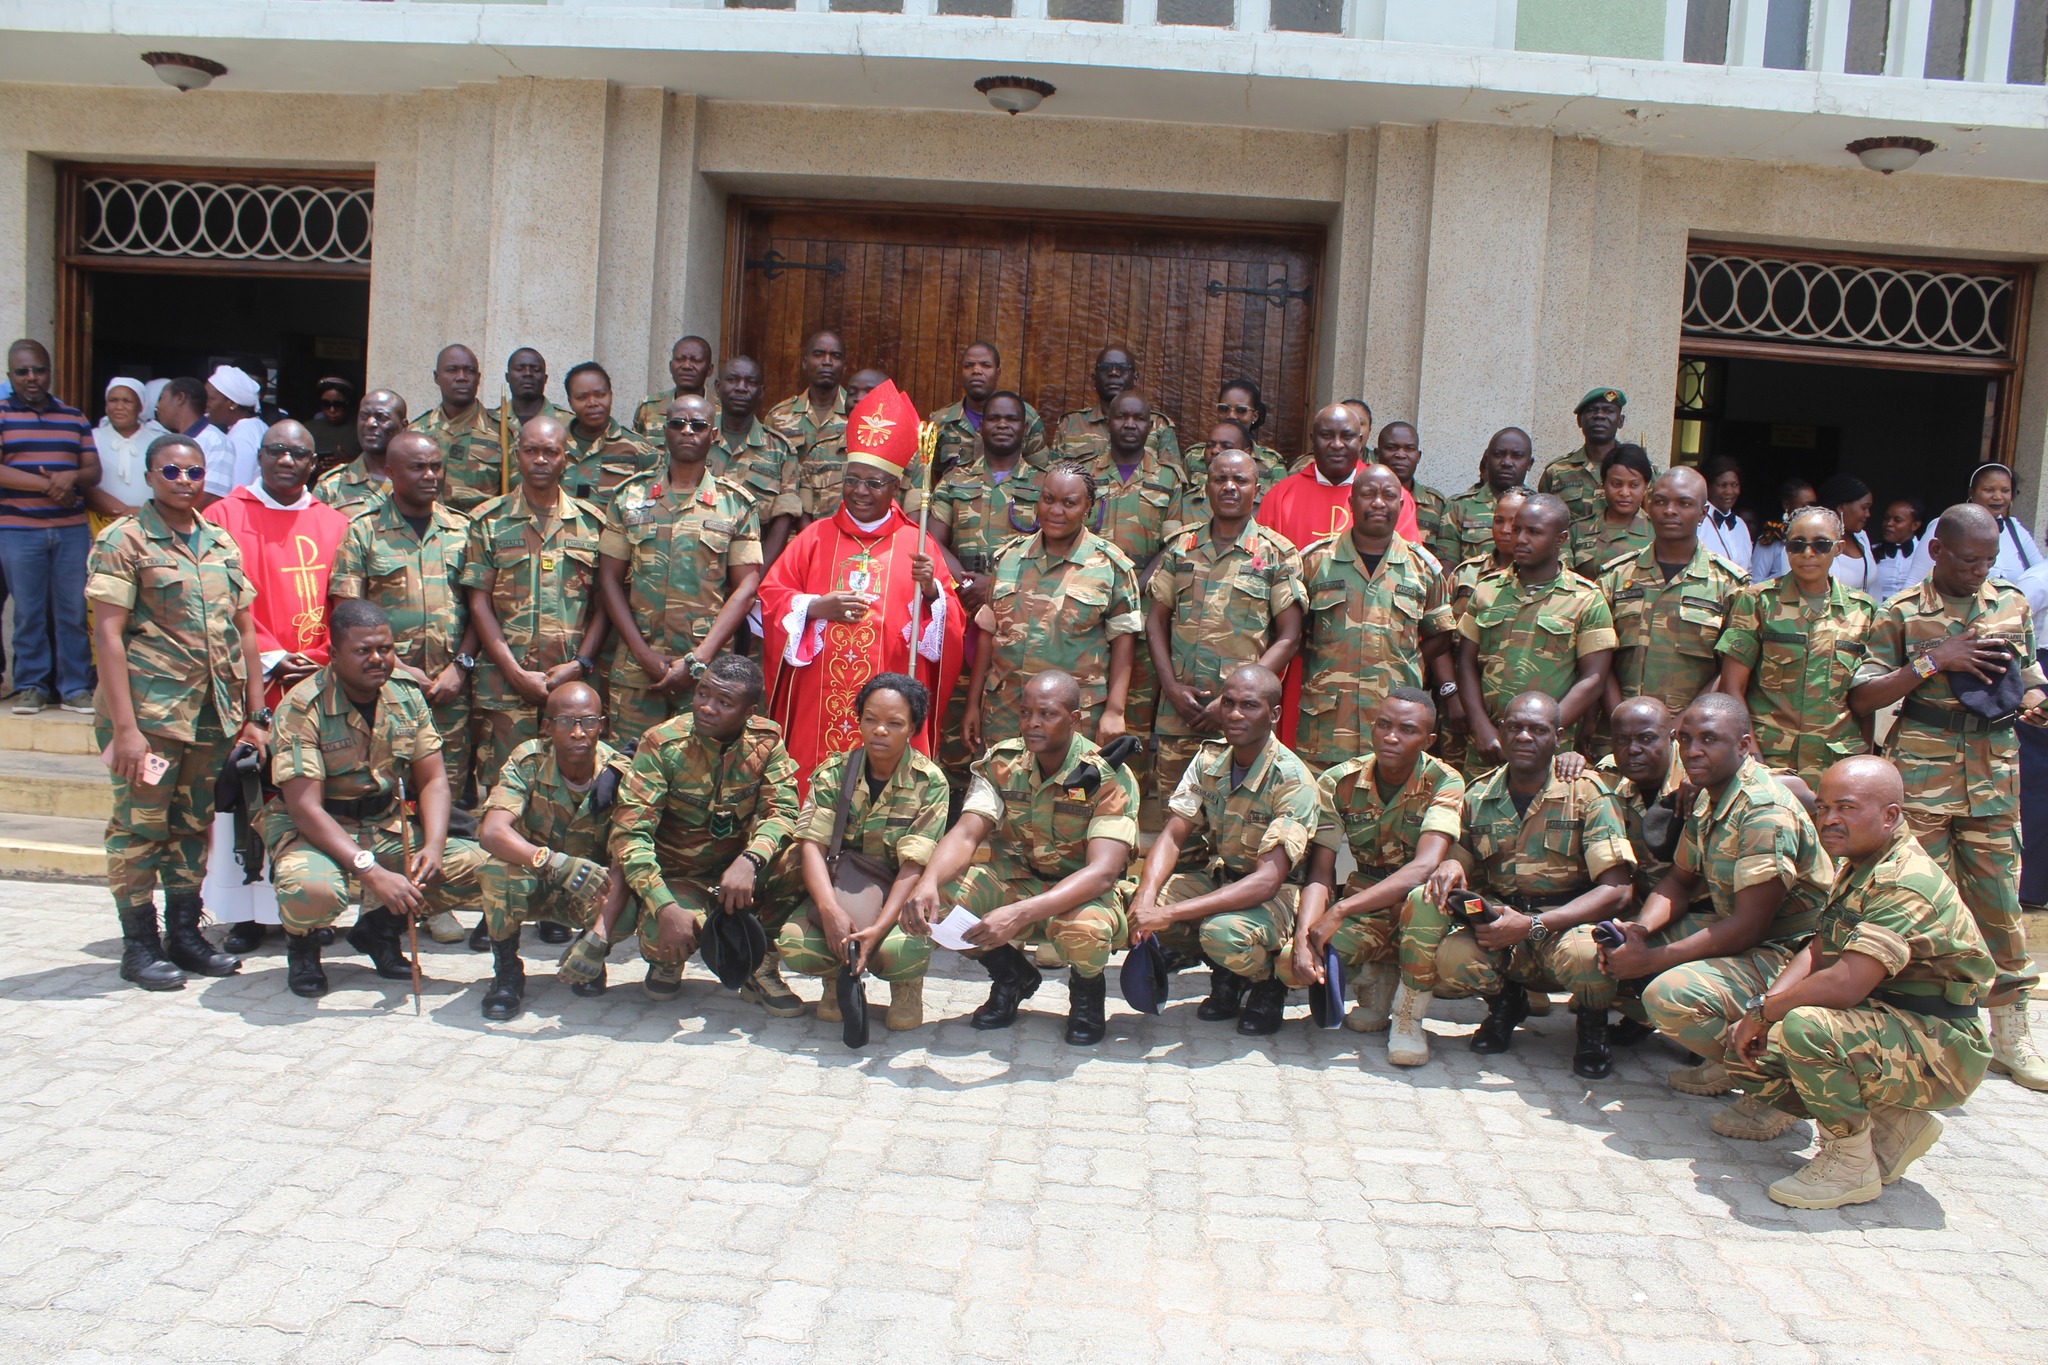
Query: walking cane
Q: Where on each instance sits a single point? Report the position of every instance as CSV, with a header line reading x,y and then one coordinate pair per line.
x,y
412,922
927,454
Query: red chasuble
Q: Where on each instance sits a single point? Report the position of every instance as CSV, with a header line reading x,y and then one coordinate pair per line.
x,y
812,699
1302,508
288,556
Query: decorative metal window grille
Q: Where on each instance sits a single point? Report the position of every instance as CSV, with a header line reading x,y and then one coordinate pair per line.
x,y
222,221
1845,304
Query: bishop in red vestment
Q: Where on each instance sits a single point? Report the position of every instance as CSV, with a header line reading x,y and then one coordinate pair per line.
x,y
287,538
836,606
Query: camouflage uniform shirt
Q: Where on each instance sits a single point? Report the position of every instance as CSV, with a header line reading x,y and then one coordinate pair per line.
x,y
546,575
958,441
678,549
416,579
1384,831
1361,637
764,463
689,807
1571,835
1222,604
1466,527
1083,434
1275,805
1597,543
985,514
1058,612
352,490
1576,479
652,415
545,809
1531,638
319,734
597,466
1139,514
1901,909
1650,868
902,825
470,453
794,421
1802,660
1665,630
1043,825
1757,833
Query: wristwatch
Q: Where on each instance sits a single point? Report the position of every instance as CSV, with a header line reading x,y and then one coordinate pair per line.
x,y
1755,1005
539,859
1449,689
263,718
1924,666
1538,931
694,667
363,859
466,662
588,664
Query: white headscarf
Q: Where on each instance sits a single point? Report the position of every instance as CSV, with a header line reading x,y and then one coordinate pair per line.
x,y
150,393
134,386
236,386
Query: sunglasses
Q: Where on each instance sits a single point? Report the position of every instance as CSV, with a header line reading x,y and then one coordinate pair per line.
x,y
1820,545
191,473
282,451
578,724
867,485
1234,409
688,424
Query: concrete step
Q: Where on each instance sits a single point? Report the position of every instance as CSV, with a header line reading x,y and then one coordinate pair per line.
x,y
48,732
69,785
52,848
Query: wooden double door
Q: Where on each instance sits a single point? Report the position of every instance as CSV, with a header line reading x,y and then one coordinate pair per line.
x,y
908,288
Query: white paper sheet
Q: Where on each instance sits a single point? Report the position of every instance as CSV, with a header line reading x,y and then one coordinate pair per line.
x,y
951,932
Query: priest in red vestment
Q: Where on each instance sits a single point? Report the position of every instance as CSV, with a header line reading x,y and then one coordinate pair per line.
x,y
836,606
287,538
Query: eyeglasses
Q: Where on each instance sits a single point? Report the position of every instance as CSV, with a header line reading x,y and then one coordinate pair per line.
x,y
688,424
578,724
1235,409
24,371
1113,368
283,451
867,485
1820,545
191,473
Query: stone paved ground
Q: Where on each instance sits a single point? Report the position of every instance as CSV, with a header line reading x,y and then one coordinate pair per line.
x,y
228,1173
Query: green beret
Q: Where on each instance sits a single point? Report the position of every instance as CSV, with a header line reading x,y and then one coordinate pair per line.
x,y
1614,396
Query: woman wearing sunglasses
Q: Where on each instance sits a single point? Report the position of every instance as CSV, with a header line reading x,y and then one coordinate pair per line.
x,y
1791,647
180,684
1237,401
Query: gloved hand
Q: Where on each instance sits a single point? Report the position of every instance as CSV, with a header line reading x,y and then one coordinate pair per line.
x,y
580,879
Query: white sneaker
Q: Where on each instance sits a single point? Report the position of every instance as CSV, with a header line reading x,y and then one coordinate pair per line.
x,y
1408,1042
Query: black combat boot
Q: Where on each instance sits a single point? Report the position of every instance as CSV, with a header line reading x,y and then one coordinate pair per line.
x,y
551,932
1593,1059
1084,1008
1016,981
480,937
376,937
1496,1033
186,946
142,951
507,995
245,938
1226,988
302,965
1265,1007
1626,1032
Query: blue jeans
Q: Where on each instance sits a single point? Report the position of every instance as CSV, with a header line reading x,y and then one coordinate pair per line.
x,y
46,577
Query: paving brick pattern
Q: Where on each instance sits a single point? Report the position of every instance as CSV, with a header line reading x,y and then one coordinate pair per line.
x,y
228,1173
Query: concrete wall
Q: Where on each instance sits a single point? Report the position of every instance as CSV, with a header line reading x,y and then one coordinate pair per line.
x,y
1477,275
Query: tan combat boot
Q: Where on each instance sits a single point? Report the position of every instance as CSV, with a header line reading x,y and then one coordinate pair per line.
x,y
767,989
443,927
828,1003
906,1005
1750,1119
1843,1171
1539,1004
1408,1043
1375,991
1047,954
1707,1078
2012,1047
1900,1137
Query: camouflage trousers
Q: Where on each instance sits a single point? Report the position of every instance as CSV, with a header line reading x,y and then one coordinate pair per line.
x,y
1244,942
513,896
1835,1064
1449,962
1359,940
636,710
778,890
1630,1000
1171,755
1084,937
1696,1003
161,833
313,889
898,957
498,733
1982,857
451,721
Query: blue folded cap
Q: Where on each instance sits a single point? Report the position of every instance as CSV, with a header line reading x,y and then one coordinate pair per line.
x,y
1326,1002
732,944
1143,979
1998,700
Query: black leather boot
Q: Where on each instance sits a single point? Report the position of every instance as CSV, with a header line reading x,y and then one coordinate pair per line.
x,y
1226,989
376,937
507,995
480,937
551,932
245,938
1265,1007
1496,1033
1593,1059
1626,1032
186,946
142,951
1016,981
1084,1008
302,965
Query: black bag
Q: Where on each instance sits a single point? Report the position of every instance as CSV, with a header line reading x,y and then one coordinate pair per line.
x,y
861,883
238,792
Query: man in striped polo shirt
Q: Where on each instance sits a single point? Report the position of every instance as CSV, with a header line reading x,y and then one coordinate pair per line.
x,y
47,461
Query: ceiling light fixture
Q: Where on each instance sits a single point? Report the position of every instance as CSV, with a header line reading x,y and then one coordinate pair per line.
x,y
1014,94
183,71
1887,154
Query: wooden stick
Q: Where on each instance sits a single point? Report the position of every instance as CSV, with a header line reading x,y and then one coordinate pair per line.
x,y
412,922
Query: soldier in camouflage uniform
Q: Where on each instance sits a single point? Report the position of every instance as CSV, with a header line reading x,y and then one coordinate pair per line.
x,y
689,367
1643,772
679,560
957,425
1961,769
1063,599
755,456
1466,527
710,801
798,418
1138,512
530,569
465,431
1226,434
1250,808
1367,592
546,826
1538,628
602,454
360,485
1792,647
1665,626
1448,598
1239,405
1399,448
895,826
1552,857
1398,811
1228,592
345,738
1575,478
526,384
821,465
1749,844
1084,433
1896,937
179,675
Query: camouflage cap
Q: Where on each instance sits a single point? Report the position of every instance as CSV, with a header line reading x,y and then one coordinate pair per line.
x,y
1614,396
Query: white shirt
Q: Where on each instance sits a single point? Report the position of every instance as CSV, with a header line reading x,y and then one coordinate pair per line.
x,y
1730,541
220,458
123,460
1890,576
2018,552
1854,573
243,439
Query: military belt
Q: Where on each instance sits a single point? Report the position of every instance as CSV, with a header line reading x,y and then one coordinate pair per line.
x,y
1939,1007
1955,722
359,808
1529,905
